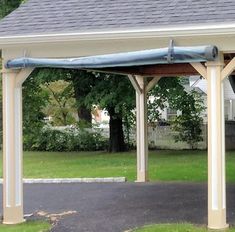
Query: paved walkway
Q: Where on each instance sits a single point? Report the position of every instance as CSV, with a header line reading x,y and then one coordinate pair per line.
x,y
118,207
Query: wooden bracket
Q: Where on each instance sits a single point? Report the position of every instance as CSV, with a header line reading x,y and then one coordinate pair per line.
x,y
152,83
22,76
138,85
200,68
135,83
228,69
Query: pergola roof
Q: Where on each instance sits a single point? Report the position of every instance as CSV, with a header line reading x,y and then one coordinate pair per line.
x,y
48,17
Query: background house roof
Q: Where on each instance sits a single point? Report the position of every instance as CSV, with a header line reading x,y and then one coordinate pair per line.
x,y
60,16
197,82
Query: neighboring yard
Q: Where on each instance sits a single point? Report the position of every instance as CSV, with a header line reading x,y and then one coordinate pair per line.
x,y
164,165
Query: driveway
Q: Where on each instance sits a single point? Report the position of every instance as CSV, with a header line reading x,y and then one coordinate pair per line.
x,y
116,207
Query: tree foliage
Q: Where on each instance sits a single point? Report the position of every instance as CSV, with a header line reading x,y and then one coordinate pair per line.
x,y
7,6
171,93
111,92
167,93
82,82
115,94
189,123
34,100
61,106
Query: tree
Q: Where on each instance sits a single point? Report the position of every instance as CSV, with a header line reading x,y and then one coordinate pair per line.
x,y
7,6
111,92
34,100
171,93
188,124
83,83
168,92
61,105
115,94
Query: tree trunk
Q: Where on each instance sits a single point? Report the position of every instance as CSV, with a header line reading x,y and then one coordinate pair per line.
x,y
116,135
84,114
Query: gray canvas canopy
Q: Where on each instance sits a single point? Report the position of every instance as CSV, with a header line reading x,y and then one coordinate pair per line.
x,y
144,57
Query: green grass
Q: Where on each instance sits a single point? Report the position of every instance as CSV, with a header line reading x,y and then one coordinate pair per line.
x,y
34,226
163,165
174,228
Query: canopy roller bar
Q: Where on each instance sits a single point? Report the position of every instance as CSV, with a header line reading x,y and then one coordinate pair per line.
x,y
168,55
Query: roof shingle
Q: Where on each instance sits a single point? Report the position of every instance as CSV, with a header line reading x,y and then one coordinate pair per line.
x,y
60,16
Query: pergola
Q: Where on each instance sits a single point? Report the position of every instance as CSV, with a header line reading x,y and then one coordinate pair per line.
x,y
66,29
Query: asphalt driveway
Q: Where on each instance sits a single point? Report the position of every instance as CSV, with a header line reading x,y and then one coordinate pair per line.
x,y
118,207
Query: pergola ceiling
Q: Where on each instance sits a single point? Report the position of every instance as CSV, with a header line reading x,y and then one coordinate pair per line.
x,y
156,70
184,69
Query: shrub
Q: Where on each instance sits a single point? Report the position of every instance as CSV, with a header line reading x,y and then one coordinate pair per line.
x,y
68,139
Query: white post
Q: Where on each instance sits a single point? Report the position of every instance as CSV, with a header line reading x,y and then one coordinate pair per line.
x,y
216,147
142,131
12,145
142,86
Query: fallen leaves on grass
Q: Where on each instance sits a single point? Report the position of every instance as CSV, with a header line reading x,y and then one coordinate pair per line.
x,y
55,217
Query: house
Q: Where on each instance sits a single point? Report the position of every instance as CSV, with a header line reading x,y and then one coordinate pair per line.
x,y
200,85
229,96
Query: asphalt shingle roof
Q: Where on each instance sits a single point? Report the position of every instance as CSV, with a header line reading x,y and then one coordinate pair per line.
x,y
61,16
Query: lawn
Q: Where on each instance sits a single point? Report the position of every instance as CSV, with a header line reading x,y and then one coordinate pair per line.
x,y
163,165
34,226
174,228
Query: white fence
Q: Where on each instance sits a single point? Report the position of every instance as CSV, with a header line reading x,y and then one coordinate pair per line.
x,y
162,137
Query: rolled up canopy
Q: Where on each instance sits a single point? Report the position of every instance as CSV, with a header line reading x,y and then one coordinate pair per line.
x,y
127,59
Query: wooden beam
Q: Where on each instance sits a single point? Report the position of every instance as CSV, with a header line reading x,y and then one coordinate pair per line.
x,y
162,70
152,83
229,69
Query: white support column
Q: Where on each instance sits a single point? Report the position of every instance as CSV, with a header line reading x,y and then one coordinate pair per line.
x,y
216,147
12,146
142,131
142,87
